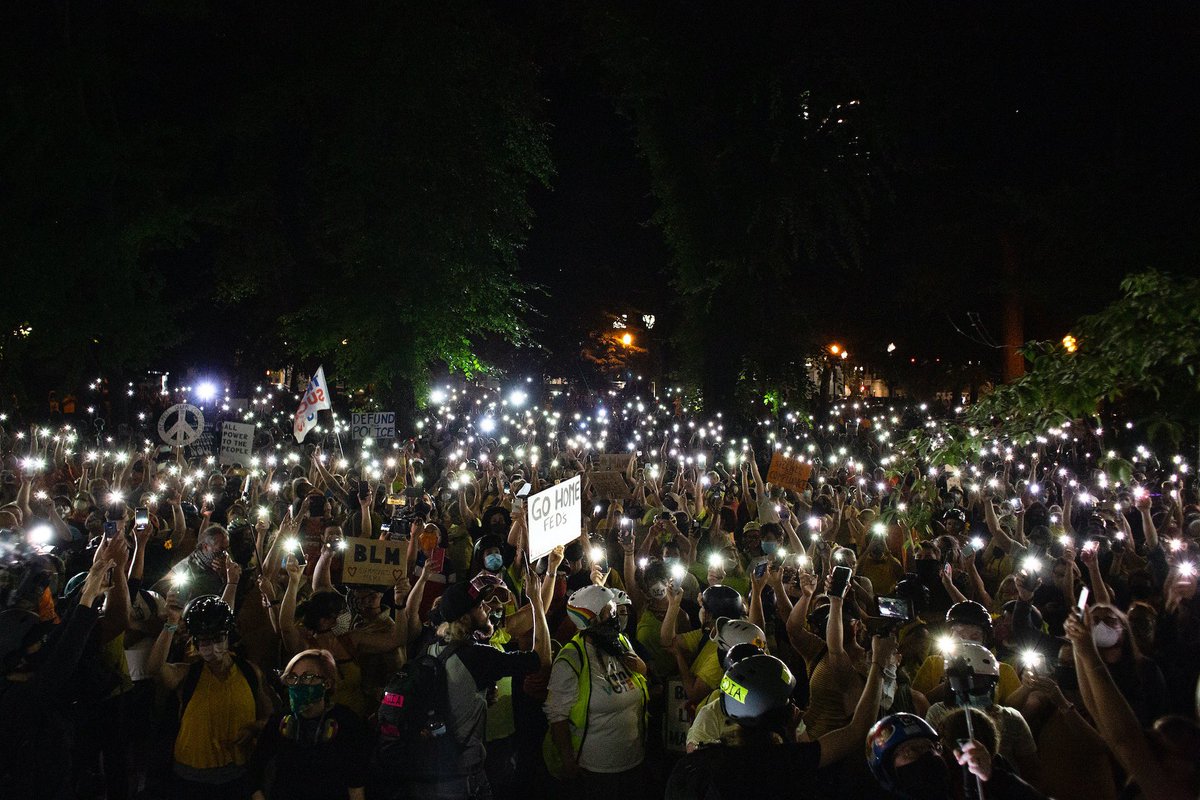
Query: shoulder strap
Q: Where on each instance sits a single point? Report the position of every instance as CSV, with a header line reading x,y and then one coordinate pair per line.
x,y
188,687
574,642
248,673
447,651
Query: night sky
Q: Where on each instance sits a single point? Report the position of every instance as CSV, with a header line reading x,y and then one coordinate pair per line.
x,y
231,159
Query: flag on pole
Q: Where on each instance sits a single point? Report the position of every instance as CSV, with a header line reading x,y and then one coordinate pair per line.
x,y
315,397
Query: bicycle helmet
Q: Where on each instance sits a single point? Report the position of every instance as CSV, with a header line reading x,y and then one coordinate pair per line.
x,y
585,605
755,688
729,633
887,735
968,612
208,616
723,601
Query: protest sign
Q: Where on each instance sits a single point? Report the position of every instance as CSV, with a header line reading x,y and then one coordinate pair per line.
x,y
613,462
790,473
374,562
676,723
555,516
375,425
237,441
181,424
611,485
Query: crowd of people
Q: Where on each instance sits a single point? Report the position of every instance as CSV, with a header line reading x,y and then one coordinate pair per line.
x,y
1022,625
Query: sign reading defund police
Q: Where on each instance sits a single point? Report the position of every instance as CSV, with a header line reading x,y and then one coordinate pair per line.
x,y
555,516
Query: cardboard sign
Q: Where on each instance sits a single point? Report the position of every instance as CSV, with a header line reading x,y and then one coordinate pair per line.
x,y
790,473
373,562
613,462
181,424
237,441
555,516
677,721
611,485
373,424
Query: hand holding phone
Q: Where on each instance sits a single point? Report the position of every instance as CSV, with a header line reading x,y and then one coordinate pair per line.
x,y
839,580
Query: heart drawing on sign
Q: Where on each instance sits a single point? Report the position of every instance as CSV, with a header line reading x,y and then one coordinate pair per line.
x,y
396,573
351,570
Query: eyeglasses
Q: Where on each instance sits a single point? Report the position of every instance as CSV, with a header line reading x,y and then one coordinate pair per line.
x,y
307,679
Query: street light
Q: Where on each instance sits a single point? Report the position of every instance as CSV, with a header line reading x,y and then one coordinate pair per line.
x,y
627,339
1070,344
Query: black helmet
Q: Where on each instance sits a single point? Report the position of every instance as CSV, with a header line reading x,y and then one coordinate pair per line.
x,y
487,542
754,687
968,612
912,589
887,735
208,615
723,601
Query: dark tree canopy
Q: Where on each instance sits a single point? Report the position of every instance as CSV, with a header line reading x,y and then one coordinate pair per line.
x,y
257,183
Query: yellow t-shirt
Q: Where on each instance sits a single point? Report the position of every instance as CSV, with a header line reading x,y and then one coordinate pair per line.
x,y
661,663
930,675
213,720
705,664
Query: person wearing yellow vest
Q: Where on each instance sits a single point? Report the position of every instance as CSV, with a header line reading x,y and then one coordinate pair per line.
x,y
596,703
223,703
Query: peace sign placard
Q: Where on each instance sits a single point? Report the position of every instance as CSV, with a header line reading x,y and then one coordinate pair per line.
x,y
181,424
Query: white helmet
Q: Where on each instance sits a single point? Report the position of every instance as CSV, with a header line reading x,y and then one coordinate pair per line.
x,y
620,598
585,605
982,670
729,633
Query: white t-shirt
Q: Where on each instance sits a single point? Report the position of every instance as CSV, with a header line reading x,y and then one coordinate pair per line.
x,y
615,739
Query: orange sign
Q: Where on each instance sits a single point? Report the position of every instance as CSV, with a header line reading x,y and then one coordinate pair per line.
x,y
790,473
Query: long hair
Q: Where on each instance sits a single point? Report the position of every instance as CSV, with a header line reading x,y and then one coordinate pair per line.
x,y
458,630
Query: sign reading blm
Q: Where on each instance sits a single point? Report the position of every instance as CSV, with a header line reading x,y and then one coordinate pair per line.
x,y
555,516
373,424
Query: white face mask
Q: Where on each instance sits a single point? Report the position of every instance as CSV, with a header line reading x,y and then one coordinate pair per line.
x,y
342,626
657,590
213,652
1105,635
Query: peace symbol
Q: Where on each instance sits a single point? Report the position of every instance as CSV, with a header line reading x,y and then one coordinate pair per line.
x,y
181,424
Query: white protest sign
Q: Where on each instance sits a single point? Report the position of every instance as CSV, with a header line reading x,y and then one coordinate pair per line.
x,y
374,424
555,516
676,722
181,424
237,440
374,562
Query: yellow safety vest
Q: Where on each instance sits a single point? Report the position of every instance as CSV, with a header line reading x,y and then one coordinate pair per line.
x,y
578,717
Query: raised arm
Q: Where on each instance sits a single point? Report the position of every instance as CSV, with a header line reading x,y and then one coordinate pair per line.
x,y
845,742
287,611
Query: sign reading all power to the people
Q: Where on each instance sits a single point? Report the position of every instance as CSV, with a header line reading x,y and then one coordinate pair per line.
x,y
555,516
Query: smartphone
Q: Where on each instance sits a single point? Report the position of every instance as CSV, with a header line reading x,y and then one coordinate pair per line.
x,y
625,536
110,528
300,558
784,514
524,490
141,517
897,608
841,579
386,527
760,568
316,506
1083,599
364,490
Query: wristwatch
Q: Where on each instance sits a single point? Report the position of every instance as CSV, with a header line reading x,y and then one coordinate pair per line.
x,y
170,627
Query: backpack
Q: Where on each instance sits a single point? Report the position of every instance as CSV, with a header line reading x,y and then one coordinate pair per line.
x,y
188,687
416,729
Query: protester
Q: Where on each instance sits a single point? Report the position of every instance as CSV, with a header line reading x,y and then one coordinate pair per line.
x,y
991,557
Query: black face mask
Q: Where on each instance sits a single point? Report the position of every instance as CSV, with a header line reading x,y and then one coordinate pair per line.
x,y
605,635
927,778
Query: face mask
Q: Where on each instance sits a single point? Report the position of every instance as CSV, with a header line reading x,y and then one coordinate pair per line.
x,y
657,590
205,559
980,701
213,652
342,626
427,541
607,630
492,562
1105,635
301,698
924,779
770,547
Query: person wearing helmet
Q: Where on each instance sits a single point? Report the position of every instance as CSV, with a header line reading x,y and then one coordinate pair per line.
x,y
910,759
967,621
756,695
223,702
696,651
736,639
596,700
652,584
972,674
